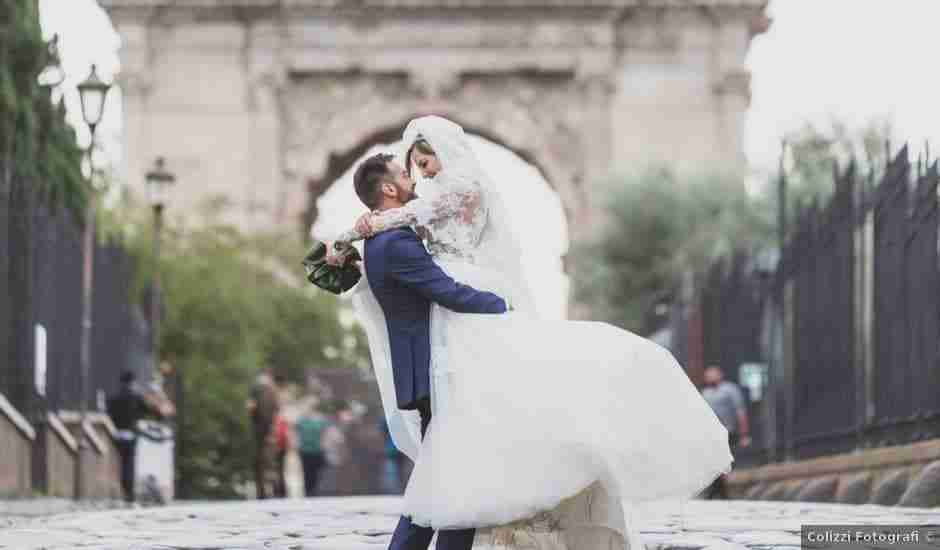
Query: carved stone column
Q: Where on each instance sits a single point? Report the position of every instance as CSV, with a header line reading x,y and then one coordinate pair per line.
x,y
733,96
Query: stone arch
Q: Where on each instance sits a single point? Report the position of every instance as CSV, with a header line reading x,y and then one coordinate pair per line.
x,y
334,118
339,161
265,94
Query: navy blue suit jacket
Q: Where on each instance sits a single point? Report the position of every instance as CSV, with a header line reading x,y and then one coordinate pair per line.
x,y
405,281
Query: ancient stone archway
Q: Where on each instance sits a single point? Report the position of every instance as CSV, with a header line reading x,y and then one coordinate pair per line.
x,y
255,99
334,119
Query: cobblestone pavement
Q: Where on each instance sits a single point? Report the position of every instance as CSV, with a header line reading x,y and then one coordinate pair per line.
x,y
15,510
365,523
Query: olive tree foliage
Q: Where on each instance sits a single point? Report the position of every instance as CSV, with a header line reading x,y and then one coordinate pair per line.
x,y
816,151
661,226
38,151
658,227
232,304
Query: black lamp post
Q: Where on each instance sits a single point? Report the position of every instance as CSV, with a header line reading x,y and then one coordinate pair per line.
x,y
93,92
159,181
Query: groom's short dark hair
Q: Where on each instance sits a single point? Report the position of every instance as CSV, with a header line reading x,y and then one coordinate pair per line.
x,y
369,176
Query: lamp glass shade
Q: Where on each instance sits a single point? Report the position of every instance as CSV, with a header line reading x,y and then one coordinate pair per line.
x,y
158,182
93,92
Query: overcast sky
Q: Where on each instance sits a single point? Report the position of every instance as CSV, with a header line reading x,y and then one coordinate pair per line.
x,y
851,60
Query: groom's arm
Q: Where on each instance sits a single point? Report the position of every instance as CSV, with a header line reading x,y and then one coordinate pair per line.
x,y
410,264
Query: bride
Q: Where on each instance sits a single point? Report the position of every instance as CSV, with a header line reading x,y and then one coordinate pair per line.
x,y
541,430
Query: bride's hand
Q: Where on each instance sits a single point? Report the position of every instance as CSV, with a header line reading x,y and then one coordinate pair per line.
x,y
337,257
364,225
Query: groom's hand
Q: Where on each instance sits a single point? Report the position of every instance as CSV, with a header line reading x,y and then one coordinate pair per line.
x,y
364,225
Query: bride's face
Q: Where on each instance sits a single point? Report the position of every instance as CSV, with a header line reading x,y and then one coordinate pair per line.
x,y
427,164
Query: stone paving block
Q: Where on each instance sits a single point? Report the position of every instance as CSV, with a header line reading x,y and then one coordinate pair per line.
x,y
725,545
889,490
767,538
924,491
794,488
674,542
777,491
855,489
819,490
755,492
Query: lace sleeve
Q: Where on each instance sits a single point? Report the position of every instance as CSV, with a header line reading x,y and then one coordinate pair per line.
x,y
463,200
348,236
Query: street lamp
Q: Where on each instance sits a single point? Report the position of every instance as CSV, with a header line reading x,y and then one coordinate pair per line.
x,y
158,181
93,92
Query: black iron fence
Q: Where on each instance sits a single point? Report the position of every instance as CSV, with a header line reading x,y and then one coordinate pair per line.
x,y
839,340
818,283
905,332
41,262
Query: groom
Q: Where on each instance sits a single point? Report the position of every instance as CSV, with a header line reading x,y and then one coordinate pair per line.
x,y
405,281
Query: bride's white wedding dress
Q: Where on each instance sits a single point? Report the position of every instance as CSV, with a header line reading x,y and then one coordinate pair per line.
x,y
540,429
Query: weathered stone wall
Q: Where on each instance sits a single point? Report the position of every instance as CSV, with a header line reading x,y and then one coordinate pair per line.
x,y
682,90
16,442
264,106
906,475
54,459
42,459
108,474
61,467
100,466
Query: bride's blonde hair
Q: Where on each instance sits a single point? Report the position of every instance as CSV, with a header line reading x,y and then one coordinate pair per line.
x,y
423,147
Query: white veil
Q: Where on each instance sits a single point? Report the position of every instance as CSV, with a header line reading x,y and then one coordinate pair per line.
x,y
498,248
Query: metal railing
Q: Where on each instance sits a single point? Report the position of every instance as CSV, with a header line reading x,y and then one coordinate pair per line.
x,y
847,322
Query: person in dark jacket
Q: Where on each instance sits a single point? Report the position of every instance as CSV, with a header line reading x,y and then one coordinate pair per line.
x,y
126,408
310,427
263,406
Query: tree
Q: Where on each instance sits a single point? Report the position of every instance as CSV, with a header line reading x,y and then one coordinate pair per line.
x,y
37,146
815,152
660,226
231,307
40,163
